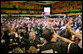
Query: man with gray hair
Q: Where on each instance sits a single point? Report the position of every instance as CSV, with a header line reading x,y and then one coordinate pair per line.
x,y
32,40
32,35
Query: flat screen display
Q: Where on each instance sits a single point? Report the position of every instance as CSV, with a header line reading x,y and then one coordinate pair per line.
x,y
46,11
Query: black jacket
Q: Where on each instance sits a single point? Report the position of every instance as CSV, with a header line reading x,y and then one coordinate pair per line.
x,y
60,47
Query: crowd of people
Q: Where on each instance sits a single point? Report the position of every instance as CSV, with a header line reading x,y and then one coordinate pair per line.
x,y
61,35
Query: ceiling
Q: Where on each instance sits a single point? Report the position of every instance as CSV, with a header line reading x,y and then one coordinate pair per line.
x,y
38,2
43,2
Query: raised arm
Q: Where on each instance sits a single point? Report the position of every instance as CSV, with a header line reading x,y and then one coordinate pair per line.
x,y
62,38
2,35
74,33
65,39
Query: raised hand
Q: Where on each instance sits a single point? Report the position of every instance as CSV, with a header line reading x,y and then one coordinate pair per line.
x,y
68,27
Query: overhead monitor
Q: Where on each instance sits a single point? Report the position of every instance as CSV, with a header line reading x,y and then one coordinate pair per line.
x,y
47,11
